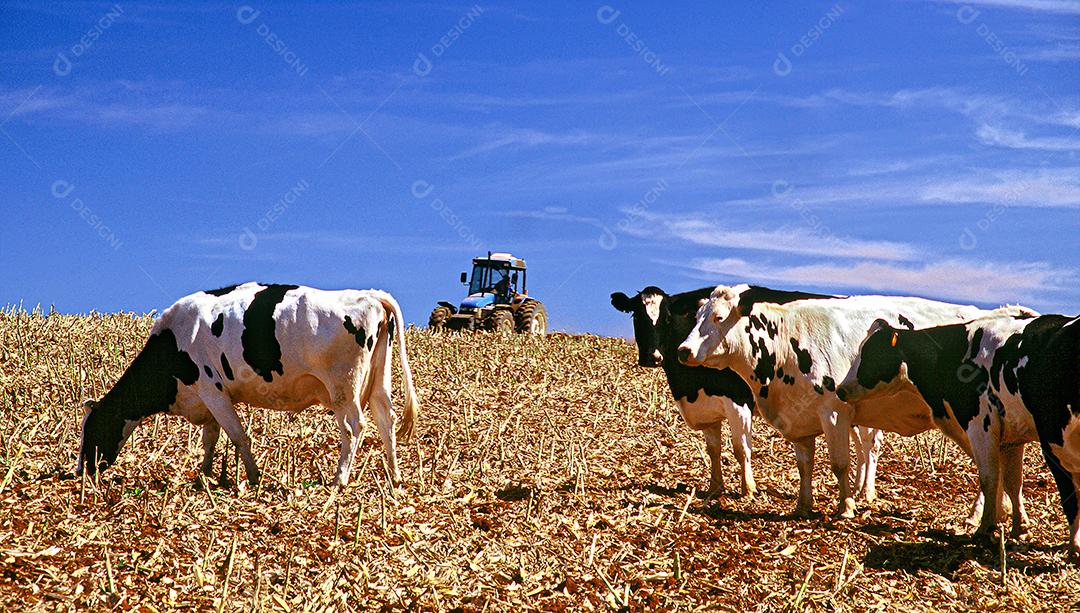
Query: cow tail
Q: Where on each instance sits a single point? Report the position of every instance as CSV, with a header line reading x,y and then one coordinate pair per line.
x,y
412,405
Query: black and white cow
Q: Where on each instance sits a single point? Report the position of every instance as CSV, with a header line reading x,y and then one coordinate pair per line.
x,y
793,355
1005,380
283,347
706,396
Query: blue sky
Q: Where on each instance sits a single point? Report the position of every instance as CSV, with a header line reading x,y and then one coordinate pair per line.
x,y
905,147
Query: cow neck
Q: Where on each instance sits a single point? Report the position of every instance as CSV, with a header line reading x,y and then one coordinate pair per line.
x,y
149,385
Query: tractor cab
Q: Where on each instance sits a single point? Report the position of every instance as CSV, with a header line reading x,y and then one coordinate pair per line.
x,y
496,279
497,300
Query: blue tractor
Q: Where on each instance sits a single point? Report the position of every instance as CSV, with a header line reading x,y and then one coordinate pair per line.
x,y
497,300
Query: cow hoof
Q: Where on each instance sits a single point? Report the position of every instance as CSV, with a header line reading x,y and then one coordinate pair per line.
x,y
713,493
846,509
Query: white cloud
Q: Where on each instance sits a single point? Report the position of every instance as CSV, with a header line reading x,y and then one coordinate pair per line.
x,y
991,283
1000,137
1040,188
815,239
1066,7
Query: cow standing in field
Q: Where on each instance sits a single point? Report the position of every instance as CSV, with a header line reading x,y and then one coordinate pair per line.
x,y
793,356
1004,380
283,347
706,396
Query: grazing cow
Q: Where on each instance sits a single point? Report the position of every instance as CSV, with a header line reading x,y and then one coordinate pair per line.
x,y
706,396
1005,380
793,355
282,347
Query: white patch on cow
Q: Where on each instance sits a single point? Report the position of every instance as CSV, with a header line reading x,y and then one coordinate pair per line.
x,y
1068,453
652,306
705,411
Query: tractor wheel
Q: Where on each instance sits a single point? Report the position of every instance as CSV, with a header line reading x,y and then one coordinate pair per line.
x,y
437,321
532,318
501,321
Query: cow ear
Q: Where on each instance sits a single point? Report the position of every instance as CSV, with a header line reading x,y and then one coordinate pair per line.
x,y
622,302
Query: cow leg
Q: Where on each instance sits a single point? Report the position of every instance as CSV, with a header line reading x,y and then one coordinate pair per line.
x,y
988,461
1068,485
868,442
956,434
837,427
713,442
384,418
739,422
350,425
804,456
225,414
210,433
1074,521
1012,459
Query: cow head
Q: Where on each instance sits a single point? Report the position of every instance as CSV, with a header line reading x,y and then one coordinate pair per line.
x,y
650,315
880,366
104,432
661,321
711,340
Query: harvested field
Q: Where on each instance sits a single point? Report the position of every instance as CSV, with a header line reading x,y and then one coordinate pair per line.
x,y
549,473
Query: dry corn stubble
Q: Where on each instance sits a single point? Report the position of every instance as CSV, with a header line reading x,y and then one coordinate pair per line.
x,y
549,473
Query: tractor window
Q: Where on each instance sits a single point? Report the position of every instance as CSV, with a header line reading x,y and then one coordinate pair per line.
x,y
489,280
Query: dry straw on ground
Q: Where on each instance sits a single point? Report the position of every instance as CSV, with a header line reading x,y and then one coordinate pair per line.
x,y
548,474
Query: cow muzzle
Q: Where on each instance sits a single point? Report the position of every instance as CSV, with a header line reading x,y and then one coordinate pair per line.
x,y
686,356
651,360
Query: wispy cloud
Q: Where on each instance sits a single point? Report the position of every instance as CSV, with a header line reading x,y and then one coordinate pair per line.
x,y
1019,140
519,138
1037,188
991,283
707,230
1064,7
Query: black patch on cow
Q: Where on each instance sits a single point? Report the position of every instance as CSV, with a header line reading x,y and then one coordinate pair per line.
x,y
995,402
828,383
370,342
217,384
356,331
904,321
209,373
765,365
226,368
148,386
940,366
764,391
789,380
755,294
676,319
1003,366
219,325
804,357
818,389
261,348
228,289
976,342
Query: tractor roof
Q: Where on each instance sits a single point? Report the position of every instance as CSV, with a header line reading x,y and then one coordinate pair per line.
x,y
501,257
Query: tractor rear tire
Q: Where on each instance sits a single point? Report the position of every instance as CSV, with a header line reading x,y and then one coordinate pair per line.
x,y
437,320
531,318
501,321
